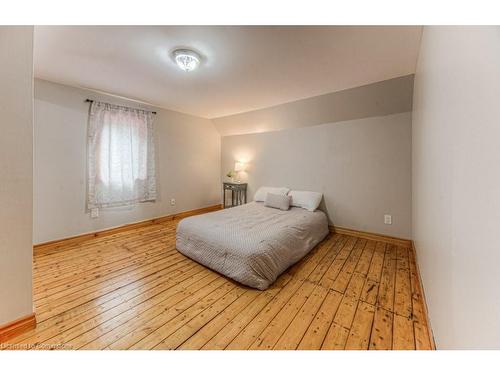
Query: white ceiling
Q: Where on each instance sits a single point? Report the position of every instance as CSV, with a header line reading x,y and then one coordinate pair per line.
x,y
243,68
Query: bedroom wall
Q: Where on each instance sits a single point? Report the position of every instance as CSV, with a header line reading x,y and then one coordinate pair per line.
x,y
373,100
456,179
16,171
363,168
188,164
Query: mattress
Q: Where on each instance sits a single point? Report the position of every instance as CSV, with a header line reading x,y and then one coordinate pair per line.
x,y
251,244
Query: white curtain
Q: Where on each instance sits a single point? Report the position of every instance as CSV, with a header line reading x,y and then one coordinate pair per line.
x,y
121,159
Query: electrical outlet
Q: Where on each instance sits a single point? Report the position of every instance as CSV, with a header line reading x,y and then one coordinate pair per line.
x,y
172,201
94,213
388,219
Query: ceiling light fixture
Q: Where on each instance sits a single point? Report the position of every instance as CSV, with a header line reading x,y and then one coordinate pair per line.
x,y
186,59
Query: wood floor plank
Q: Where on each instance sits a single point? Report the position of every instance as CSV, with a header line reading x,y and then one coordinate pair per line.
x,y
377,263
422,337
345,246
387,282
365,260
163,332
295,332
381,336
98,329
151,331
64,260
359,334
144,287
370,292
252,331
48,311
225,336
109,278
403,295
134,290
345,313
195,324
355,286
317,330
52,293
209,330
66,292
349,304
271,334
297,328
403,336
82,323
91,269
178,295
336,338
342,280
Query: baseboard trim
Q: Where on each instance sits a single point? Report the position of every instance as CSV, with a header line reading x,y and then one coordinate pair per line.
x,y
421,287
106,232
371,236
18,326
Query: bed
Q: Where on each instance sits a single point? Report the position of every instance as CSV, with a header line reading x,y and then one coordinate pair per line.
x,y
252,244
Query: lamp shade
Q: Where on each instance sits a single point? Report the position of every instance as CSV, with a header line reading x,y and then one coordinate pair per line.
x,y
239,167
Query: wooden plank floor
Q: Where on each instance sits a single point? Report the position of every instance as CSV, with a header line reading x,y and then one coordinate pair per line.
x,y
133,290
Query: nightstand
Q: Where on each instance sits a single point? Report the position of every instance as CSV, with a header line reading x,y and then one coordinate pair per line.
x,y
238,193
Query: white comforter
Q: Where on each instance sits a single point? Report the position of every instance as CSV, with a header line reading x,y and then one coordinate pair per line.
x,y
252,244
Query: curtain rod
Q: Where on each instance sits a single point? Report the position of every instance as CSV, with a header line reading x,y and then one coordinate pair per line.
x,y
91,101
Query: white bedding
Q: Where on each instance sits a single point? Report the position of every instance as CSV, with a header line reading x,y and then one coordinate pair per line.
x,y
251,244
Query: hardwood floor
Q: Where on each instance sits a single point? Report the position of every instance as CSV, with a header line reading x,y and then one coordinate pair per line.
x,y
133,290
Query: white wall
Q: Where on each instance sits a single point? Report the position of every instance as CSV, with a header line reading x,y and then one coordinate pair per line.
x,y
188,164
456,180
16,172
373,100
363,168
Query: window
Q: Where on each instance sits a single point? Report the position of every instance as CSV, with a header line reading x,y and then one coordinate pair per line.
x,y
121,168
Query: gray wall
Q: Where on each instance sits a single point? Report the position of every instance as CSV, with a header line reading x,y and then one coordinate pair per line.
x,y
16,171
188,164
363,168
456,179
377,99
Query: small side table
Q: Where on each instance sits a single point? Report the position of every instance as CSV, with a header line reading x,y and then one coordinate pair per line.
x,y
238,193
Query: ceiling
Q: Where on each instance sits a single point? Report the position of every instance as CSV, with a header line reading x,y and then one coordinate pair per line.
x,y
243,67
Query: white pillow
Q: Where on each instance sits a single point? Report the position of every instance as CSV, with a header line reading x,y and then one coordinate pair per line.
x,y
309,200
279,201
260,195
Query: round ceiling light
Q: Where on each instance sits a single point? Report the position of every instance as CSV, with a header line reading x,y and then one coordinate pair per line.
x,y
186,59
